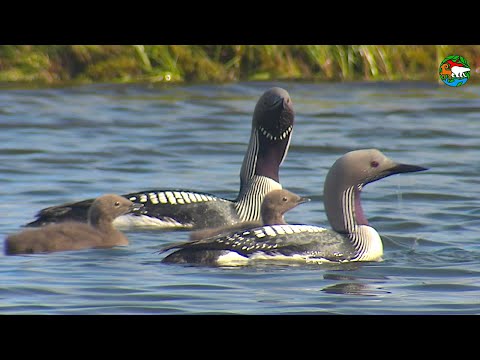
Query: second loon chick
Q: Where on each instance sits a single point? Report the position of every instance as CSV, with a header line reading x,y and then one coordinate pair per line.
x,y
70,235
350,239
274,206
272,127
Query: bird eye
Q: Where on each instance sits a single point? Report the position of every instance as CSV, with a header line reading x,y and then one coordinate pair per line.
x,y
117,204
374,164
284,198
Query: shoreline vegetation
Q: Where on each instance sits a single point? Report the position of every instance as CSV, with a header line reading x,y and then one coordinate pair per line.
x,y
50,65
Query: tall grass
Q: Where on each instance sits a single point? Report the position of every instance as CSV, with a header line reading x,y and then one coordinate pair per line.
x,y
219,63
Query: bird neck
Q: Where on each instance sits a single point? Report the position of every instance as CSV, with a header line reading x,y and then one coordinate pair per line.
x,y
272,217
344,210
101,224
265,154
249,201
346,216
250,160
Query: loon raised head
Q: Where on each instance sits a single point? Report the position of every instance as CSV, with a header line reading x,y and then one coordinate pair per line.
x,y
274,206
272,126
70,235
350,239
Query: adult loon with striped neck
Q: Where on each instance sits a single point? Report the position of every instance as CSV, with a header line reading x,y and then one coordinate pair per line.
x,y
272,127
350,239
274,206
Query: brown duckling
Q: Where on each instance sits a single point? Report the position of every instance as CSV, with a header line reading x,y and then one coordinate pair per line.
x,y
274,206
72,235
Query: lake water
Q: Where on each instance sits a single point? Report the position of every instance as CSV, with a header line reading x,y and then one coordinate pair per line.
x,y
65,144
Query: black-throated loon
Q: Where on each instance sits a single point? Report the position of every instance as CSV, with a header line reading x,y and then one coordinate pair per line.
x,y
350,239
272,127
71,235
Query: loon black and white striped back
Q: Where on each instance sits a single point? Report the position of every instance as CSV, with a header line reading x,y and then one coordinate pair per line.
x,y
176,210
173,197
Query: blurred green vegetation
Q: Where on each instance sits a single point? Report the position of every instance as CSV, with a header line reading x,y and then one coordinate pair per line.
x,y
57,64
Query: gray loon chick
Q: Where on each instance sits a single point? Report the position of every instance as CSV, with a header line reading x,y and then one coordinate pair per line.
x,y
71,235
350,239
272,126
274,206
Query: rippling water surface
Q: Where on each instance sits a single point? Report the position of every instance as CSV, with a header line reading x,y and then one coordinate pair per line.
x,y
59,145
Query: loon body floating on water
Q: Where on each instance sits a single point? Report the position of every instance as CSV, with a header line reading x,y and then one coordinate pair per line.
x,y
350,239
274,206
272,127
71,235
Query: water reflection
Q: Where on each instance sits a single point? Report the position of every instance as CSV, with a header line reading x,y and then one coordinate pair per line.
x,y
355,285
362,289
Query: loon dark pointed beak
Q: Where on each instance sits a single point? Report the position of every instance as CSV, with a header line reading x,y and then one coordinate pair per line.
x,y
277,101
399,169
395,169
288,104
405,168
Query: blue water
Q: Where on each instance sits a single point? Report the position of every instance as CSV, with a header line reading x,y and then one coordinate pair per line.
x,y
65,144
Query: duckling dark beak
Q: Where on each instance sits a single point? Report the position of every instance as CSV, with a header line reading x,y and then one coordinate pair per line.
x,y
135,207
303,200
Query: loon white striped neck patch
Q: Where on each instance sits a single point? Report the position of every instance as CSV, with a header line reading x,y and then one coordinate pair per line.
x,y
173,197
250,199
367,243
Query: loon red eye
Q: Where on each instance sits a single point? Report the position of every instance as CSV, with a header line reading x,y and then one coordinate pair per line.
x,y
374,164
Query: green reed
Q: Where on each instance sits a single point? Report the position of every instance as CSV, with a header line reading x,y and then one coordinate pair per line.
x,y
51,64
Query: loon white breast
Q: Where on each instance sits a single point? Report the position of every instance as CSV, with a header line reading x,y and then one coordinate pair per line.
x,y
350,239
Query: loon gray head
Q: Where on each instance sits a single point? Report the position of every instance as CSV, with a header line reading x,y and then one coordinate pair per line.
x,y
272,127
276,203
345,180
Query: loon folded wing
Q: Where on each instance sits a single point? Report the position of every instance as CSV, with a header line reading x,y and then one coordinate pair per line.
x,y
288,240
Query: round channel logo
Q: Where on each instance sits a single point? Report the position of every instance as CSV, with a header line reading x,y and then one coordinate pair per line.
x,y
454,70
